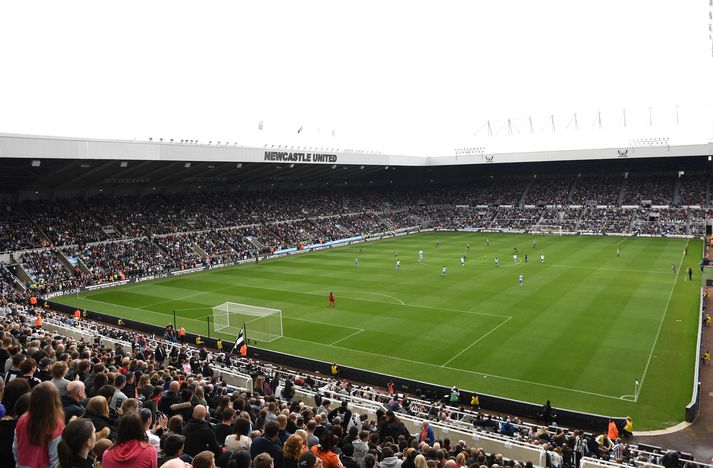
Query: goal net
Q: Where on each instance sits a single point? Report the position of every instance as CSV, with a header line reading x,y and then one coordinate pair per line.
x,y
261,323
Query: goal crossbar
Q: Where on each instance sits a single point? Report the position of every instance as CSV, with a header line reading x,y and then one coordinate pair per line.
x,y
261,323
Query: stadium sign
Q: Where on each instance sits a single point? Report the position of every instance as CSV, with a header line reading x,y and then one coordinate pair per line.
x,y
61,293
289,156
151,277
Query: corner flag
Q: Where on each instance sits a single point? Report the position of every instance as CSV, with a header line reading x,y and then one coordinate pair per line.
x,y
240,344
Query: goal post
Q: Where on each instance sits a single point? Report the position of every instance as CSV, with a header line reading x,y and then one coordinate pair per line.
x,y
261,323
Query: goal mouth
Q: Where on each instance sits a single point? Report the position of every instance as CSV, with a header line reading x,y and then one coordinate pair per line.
x,y
262,324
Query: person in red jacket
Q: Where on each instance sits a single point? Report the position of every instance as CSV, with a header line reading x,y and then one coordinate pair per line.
x,y
331,299
132,449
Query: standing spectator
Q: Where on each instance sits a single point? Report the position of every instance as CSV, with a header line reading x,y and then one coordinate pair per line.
x,y
119,397
72,401
224,429
612,430
28,367
59,372
14,370
132,449
199,434
291,450
38,431
325,451
43,370
267,443
205,459
75,448
98,412
240,439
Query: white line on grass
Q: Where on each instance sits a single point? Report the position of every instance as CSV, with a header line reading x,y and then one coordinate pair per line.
x,y
455,369
348,336
475,342
663,317
322,323
321,293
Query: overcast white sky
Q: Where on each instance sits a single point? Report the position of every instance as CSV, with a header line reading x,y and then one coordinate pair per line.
x,y
400,76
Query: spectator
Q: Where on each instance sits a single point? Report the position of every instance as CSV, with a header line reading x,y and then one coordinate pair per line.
x,y
38,431
75,448
43,373
205,459
169,397
199,434
173,448
325,451
268,443
389,460
239,440
263,460
28,367
292,449
59,371
131,449
72,401
98,412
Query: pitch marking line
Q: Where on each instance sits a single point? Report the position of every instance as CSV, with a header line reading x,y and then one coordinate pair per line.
x,y
348,336
476,342
322,323
359,292
511,379
663,317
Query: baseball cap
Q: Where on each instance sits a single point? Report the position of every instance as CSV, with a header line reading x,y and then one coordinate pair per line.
x,y
44,362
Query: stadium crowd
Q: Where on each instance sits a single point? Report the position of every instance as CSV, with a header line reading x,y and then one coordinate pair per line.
x,y
110,238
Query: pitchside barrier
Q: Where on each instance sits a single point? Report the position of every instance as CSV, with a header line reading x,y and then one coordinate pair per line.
x,y
694,406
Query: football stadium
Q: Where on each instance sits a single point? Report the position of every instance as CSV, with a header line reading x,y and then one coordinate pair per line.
x,y
476,292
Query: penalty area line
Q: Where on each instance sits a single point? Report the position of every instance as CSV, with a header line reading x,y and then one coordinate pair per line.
x,y
476,342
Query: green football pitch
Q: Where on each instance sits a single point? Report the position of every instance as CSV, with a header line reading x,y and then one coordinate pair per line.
x,y
581,329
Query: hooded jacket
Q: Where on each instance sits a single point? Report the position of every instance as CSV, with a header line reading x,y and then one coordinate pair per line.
x,y
391,462
131,454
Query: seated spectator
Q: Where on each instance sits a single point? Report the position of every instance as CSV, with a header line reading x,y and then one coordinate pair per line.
x,y
39,431
132,449
75,448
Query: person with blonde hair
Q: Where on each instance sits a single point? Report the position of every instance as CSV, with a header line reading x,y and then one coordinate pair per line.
x,y
98,413
292,449
39,430
420,461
